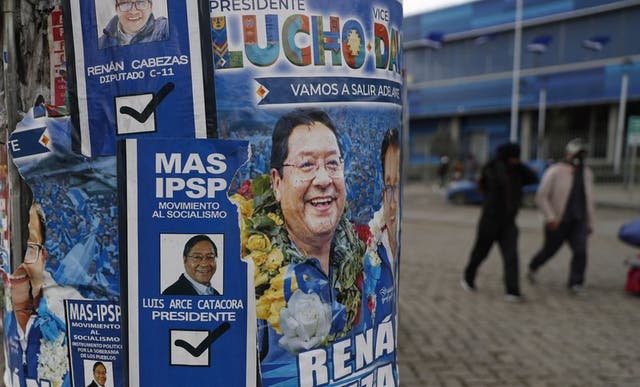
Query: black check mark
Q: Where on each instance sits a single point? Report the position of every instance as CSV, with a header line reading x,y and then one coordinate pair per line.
x,y
211,337
151,106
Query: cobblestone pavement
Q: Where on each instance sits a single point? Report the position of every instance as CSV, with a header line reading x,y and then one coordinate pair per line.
x,y
448,337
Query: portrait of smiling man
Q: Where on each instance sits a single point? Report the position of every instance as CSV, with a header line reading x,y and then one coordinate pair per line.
x,y
99,375
133,23
308,180
199,258
313,248
36,301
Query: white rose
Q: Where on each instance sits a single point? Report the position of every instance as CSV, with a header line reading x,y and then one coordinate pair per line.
x,y
52,360
305,322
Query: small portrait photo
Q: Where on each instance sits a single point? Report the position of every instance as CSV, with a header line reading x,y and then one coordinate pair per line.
x,y
98,373
123,22
191,264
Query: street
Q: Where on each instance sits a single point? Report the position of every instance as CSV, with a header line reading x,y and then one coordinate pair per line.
x,y
448,337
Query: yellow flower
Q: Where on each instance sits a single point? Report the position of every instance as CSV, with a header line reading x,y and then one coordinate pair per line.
x,y
244,236
277,282
260,278
274,259
246,206
272,301
258,242
262,307
268,307
274,317
259,257
276,219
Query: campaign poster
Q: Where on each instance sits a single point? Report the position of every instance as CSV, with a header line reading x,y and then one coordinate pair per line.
x,y
58,72
4,208
96,348
316,87
70,249
189,309
138,71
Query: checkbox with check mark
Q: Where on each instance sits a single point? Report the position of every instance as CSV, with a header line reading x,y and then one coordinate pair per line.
x,y
181,356
128,124
193,348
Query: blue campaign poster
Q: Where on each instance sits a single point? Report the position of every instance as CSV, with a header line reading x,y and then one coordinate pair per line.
x,y
71,255
189,311
316,87
138,71
95,343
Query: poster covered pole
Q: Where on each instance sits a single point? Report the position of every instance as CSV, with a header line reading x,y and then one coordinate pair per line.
x,y
266,256
317,89
11,98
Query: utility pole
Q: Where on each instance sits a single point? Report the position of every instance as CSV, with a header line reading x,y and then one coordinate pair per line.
x,y
515,89
11,103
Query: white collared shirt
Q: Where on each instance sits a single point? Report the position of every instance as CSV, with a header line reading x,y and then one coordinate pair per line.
x,y
202,290
384,239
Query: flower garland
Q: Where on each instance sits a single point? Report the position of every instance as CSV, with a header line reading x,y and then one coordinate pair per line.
x,y
52,361
373,237
265,240
376,225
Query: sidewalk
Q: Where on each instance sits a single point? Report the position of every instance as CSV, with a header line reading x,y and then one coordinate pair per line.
x,y
617,196
448,337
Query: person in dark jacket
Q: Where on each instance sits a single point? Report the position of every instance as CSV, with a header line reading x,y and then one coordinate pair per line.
x,y
199,258
134,23
565,198
99,375
501,183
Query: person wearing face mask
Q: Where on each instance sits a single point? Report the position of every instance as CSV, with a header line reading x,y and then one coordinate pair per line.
x,y
565,198
133,23
501,183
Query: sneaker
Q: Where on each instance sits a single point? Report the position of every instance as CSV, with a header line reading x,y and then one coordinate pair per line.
x,y
467,286
516,298
531,277
578,290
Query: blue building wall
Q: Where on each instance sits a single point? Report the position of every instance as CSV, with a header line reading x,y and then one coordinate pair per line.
x,y
469,78
598,85
483,14
472,71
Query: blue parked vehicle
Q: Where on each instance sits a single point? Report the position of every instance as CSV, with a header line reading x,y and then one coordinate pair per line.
x,y
466,191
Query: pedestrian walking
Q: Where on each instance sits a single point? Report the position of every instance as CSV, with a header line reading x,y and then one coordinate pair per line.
x,y
565,197
501,182
443,170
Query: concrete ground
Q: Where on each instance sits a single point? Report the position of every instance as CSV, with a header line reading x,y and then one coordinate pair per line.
x,y
448,337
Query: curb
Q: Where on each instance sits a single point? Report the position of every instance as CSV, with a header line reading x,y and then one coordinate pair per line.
x,y
617,205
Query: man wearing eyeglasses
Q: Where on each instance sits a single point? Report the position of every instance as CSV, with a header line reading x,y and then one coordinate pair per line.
x,y
37,303
380,261
314,247
99,375
390,159
199,258
133,23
